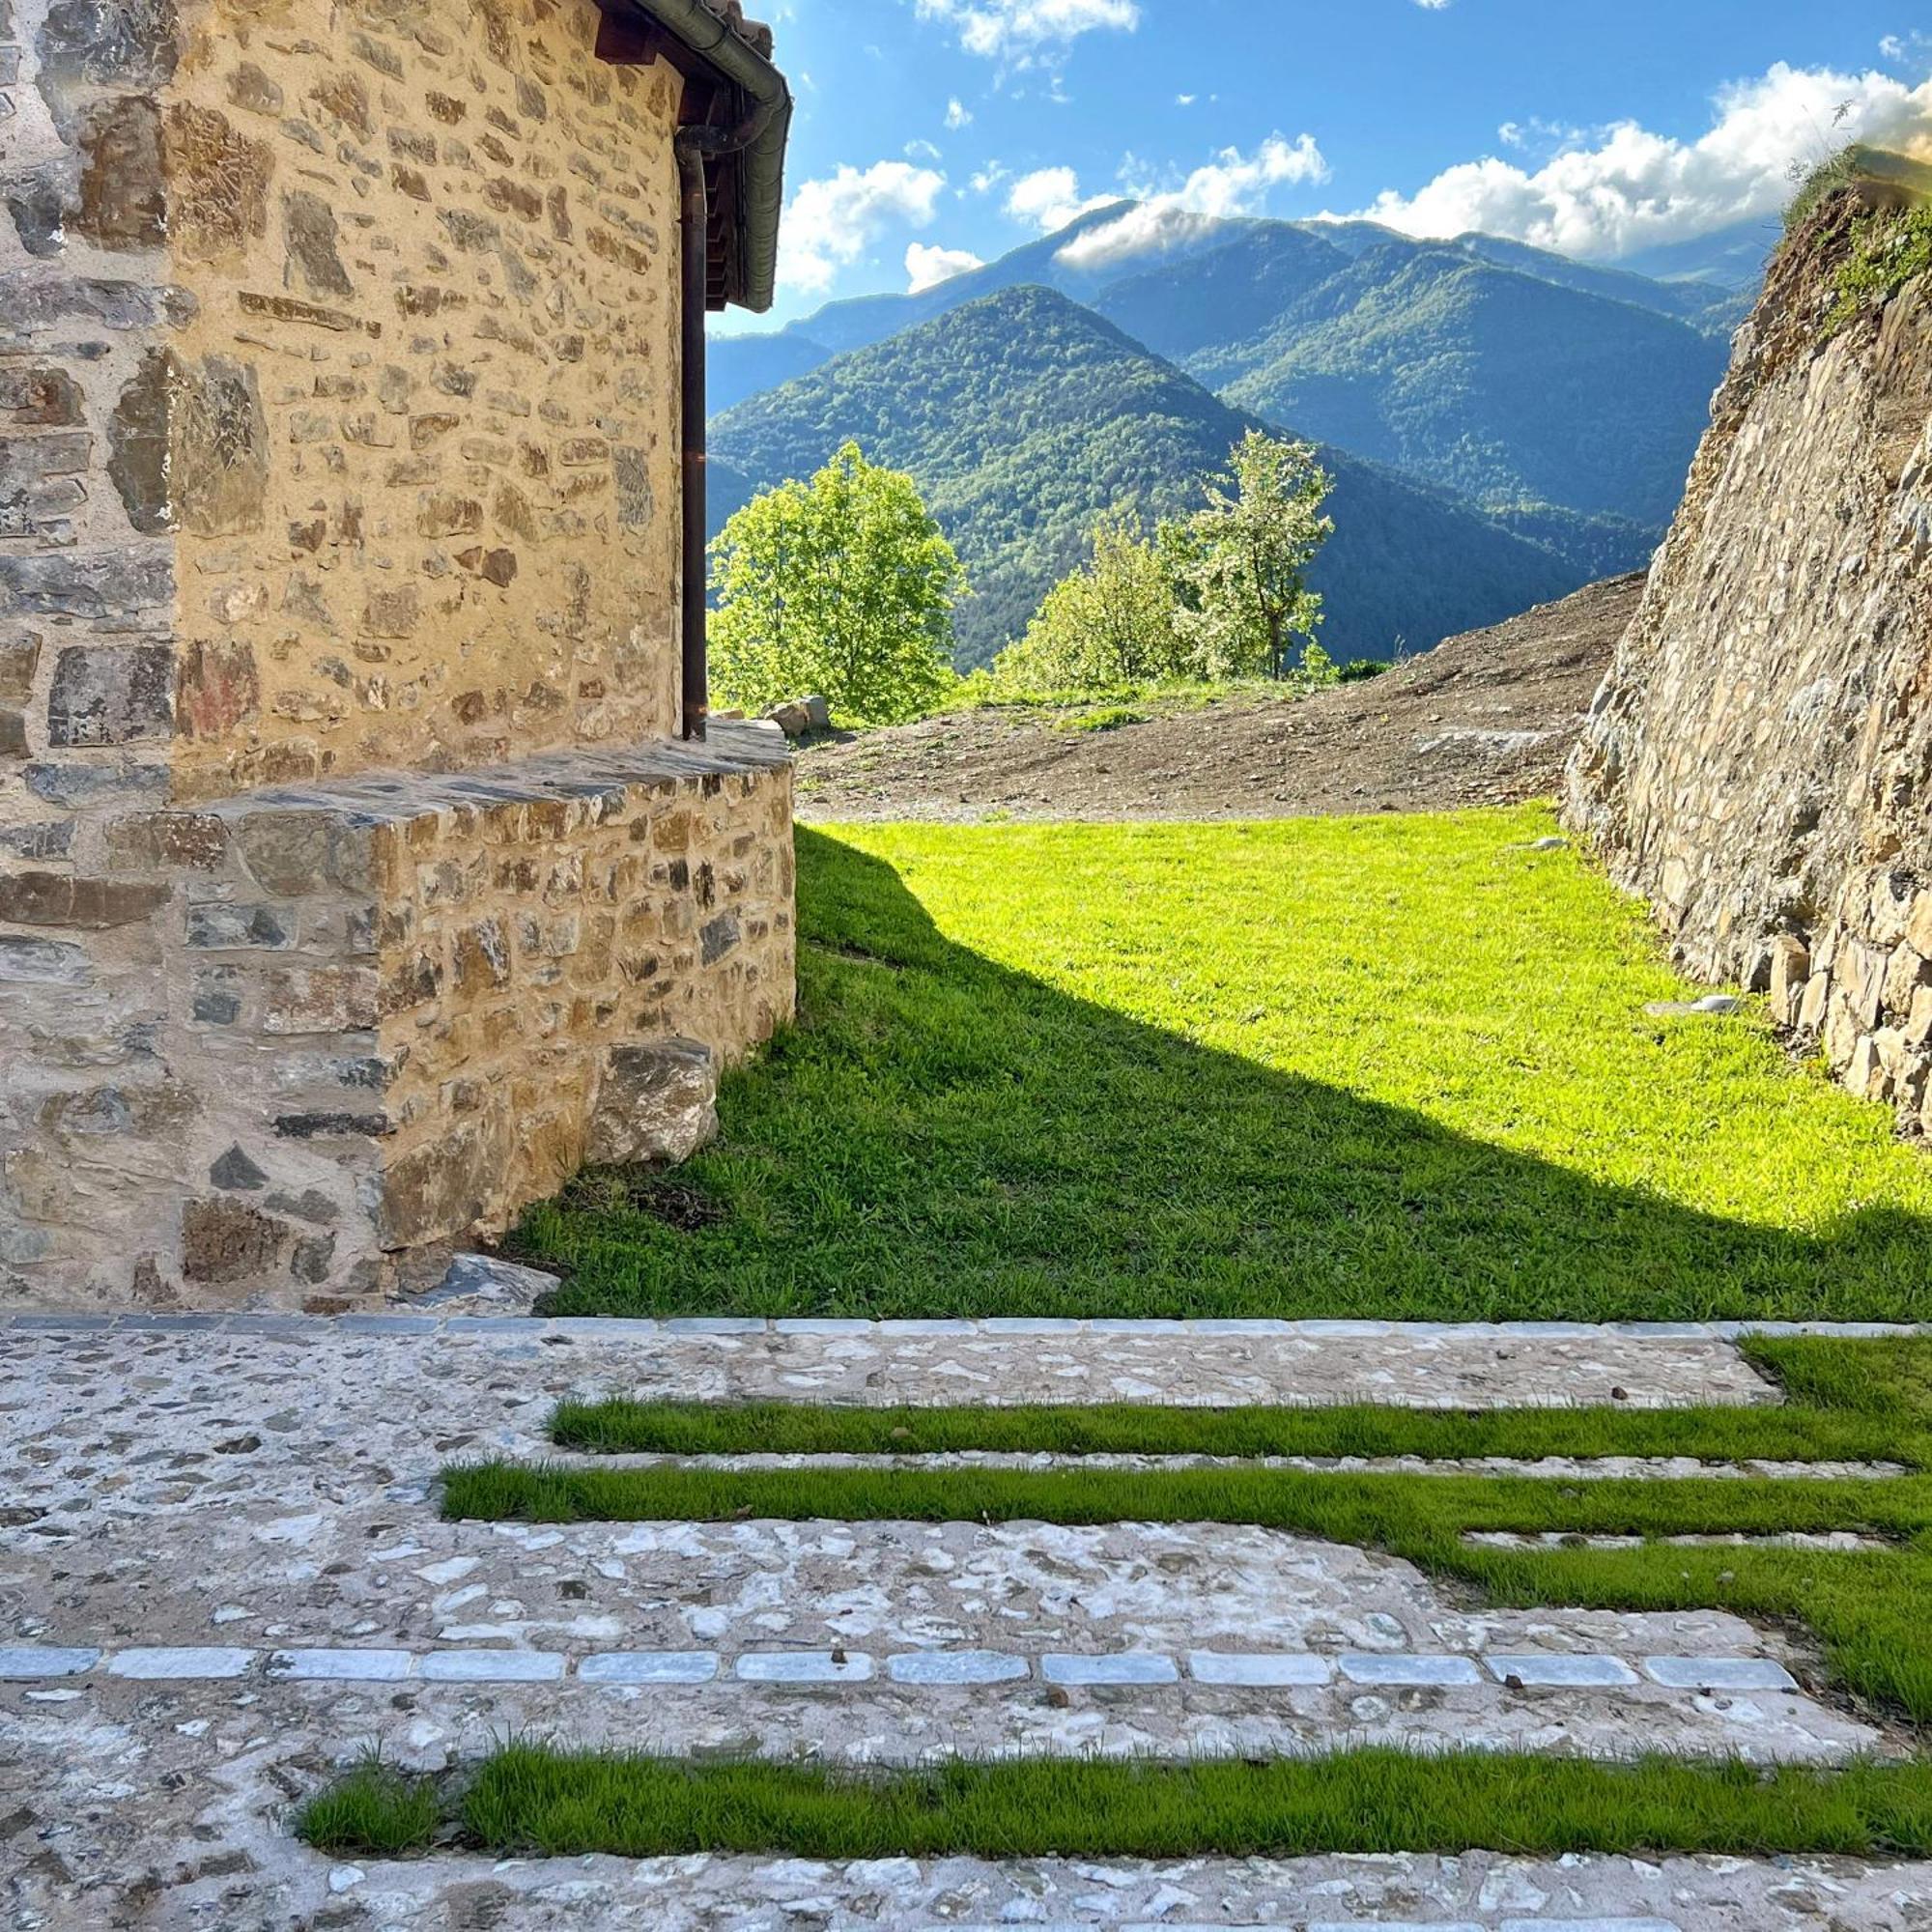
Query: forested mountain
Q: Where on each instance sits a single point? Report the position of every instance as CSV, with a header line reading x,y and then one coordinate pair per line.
x,y
1171,298
1498,385
1024,416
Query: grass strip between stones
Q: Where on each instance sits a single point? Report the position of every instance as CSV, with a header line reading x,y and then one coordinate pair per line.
x,y
1859,1400
527,1798
1867,1606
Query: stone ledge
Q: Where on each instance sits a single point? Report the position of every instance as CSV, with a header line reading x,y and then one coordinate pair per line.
x,y
732,749
607,1328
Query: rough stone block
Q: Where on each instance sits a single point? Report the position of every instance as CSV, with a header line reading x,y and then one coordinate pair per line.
x,y
1122,1667
1392,1668
230,1242
29,1660
491,1666
956,1667
650,1667
122,201
1720,1673
110,695
433,1192
61,898
805,1666
1258,1668
489,1281
1575,1672
655,1103
180,1660
223,926
340,1667
44,962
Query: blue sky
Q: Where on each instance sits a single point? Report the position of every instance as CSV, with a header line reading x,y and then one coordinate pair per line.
x,y
959,128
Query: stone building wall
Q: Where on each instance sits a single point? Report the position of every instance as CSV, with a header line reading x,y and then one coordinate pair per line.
x,y
1758,763
340,838
388,371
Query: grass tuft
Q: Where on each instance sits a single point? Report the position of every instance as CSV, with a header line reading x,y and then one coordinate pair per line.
x,y
532,1800
374,1809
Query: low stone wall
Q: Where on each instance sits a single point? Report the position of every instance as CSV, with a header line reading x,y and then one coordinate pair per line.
x,y
1758,763
260,1049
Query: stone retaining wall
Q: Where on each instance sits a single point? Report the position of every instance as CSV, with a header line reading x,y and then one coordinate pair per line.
x,y
307,1032
1758,763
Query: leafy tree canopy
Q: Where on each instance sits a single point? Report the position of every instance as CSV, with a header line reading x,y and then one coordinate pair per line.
x,y
842,585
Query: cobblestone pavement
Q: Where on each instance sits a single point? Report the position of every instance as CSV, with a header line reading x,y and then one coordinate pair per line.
x,y
222,1576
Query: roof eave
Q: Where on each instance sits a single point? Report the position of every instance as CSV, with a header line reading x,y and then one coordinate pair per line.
x,y
751,256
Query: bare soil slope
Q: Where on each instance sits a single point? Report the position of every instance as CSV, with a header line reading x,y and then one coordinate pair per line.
x,y
1485,719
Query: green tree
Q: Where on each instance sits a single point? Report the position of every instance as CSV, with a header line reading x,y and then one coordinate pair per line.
x,y
843,584
1114,621
1248,558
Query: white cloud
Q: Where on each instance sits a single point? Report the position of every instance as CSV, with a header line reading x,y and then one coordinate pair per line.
x,y
927,267
1186,99
958,115
833,220
1891,48
1511,134
1624,187
1049,198
1232,183
921,151
1017,31
1433,6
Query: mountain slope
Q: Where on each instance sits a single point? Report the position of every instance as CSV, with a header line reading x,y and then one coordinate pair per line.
x,y
1230,294
1498,385
1154,290
1023,416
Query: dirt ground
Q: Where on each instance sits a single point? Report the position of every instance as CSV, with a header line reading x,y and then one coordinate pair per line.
x,y
1485,719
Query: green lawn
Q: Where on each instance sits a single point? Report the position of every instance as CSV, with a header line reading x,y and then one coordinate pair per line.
x,y
1397,1066
527,1798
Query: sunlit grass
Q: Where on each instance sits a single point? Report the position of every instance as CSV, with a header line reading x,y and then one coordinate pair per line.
x,y
527,1798
1397,1066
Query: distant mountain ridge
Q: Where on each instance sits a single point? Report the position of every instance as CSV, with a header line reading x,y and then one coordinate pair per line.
x,y
1024,416
741,365
1547,408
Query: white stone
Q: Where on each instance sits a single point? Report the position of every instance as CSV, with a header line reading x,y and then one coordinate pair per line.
x,y
1361,1666
1395,1925
19,1660
348,1666
1258,1667
491,1666
1569,1671
803,1667
1720,1673
1589,1925
650,1667
1126,1666
180,1660
955,1667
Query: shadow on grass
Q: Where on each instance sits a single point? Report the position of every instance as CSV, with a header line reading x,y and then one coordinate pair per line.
x,y
943,1135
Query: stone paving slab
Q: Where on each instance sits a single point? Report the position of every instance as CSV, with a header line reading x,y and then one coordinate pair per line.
x,y
361,1361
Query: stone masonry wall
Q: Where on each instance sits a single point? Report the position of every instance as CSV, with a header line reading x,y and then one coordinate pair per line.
x,y
369,1019
350,369
1759,759
338,433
